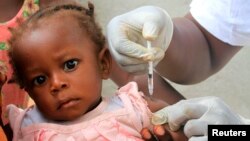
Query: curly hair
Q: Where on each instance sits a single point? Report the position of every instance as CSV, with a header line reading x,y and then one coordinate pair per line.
x,y
84,16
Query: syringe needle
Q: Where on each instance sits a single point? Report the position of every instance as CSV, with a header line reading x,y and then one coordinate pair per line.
x,y
150,73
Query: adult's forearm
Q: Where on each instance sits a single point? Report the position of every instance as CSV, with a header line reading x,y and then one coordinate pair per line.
x,y
194,54
187,60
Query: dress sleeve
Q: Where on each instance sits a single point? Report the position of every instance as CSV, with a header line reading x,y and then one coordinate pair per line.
x,y
13,113
133,100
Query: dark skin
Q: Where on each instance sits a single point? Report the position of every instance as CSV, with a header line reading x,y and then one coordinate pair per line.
x,y
162,90
193,55
154,104
8,10
29,41
213,59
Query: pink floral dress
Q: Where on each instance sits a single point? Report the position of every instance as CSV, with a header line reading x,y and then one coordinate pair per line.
x,y
11,93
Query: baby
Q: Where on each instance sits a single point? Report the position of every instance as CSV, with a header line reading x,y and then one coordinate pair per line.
x,y
60,59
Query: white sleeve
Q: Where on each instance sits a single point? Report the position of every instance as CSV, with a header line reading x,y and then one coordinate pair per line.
x,y
227,20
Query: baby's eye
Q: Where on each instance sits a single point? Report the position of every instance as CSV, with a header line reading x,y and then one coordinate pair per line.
x,y
70,65
39,80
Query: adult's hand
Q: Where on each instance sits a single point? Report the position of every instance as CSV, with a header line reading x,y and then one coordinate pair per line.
x,y
195,114
128,33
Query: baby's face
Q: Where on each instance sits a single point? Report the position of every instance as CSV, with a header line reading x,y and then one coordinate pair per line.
x,y
61,68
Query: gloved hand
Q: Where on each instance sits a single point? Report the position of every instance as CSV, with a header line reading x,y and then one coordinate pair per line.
x,y
195,114
127,35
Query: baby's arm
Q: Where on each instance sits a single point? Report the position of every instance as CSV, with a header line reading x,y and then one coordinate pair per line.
x,y
157,102
154,105
164,94
162,89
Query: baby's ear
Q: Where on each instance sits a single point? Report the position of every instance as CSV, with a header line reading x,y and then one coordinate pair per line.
x,y
105,62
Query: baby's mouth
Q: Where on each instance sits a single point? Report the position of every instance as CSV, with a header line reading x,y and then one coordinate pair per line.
x,y
68,103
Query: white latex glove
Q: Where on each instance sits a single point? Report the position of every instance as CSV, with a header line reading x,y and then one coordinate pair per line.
x,y
195,114
127,35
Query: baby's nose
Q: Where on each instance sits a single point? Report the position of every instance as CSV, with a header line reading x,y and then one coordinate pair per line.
x,y
58,83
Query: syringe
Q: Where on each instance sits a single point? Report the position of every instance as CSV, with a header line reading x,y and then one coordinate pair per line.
x,y
150,73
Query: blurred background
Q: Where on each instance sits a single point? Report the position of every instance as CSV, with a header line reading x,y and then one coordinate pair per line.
x,y
232,83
